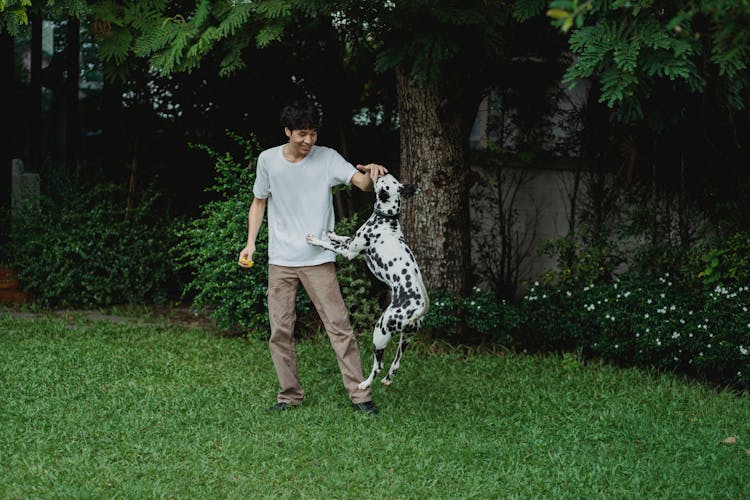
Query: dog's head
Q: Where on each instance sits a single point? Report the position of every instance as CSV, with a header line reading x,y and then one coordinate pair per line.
x,y
389,192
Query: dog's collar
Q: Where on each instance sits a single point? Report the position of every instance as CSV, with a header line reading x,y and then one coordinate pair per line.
x,y
386,216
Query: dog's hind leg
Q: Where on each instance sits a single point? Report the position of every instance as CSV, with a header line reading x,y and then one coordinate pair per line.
x,y
380,338
402,345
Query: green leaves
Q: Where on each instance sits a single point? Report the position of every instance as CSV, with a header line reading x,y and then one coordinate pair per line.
x,y
89,250
268,34
629,45
13,15
566,13
523,10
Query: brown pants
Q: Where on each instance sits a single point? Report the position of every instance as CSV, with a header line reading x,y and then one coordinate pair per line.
x,y
323,288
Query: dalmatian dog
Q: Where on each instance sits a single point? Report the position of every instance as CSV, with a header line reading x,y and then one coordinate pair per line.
x,y
392,262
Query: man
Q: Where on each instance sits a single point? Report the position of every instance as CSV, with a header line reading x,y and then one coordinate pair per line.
x,y
295,181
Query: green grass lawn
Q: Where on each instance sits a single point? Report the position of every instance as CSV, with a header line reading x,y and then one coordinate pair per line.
x,y
101,409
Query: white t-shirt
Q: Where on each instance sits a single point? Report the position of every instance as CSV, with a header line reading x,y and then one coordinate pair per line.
x,y
299,202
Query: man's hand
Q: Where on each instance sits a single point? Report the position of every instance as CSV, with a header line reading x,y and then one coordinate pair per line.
x,y
373,169
246,256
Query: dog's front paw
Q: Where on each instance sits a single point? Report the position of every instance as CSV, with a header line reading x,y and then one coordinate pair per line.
x,y
335,237
312,240
364,385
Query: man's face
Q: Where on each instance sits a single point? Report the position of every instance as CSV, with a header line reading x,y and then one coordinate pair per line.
x,y
301,140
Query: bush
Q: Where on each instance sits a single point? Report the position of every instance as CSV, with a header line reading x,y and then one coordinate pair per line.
x,y
479,318
209,246
647,321
728,263
88,250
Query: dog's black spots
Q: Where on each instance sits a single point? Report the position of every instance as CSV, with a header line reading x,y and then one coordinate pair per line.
x,y
383,196
376,260
403,271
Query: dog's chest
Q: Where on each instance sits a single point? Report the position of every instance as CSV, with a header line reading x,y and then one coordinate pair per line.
x,y
387,256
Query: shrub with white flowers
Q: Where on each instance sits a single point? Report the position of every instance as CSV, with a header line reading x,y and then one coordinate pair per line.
x,y
649,321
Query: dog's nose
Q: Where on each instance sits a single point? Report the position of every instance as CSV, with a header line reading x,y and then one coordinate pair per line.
x,y
409,190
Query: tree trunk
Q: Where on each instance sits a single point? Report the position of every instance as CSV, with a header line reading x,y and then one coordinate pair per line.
x,y
434,155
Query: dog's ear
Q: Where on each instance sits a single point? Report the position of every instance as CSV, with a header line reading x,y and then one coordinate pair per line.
x,y
408,190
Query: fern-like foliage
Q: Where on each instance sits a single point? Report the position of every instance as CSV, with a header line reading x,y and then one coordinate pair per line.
x,y
523,10
630,45
13,15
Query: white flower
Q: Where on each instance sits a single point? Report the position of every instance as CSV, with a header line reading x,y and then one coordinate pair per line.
x,y
743,351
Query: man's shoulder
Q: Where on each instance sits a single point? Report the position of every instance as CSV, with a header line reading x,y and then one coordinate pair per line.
x,y
326,152
266,153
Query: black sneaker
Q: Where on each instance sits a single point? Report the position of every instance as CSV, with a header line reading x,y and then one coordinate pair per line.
x,y
282,406
366,407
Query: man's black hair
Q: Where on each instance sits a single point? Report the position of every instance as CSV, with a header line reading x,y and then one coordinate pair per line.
x,y
300,114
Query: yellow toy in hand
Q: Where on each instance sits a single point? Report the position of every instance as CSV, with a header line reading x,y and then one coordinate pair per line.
x,y
246,263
